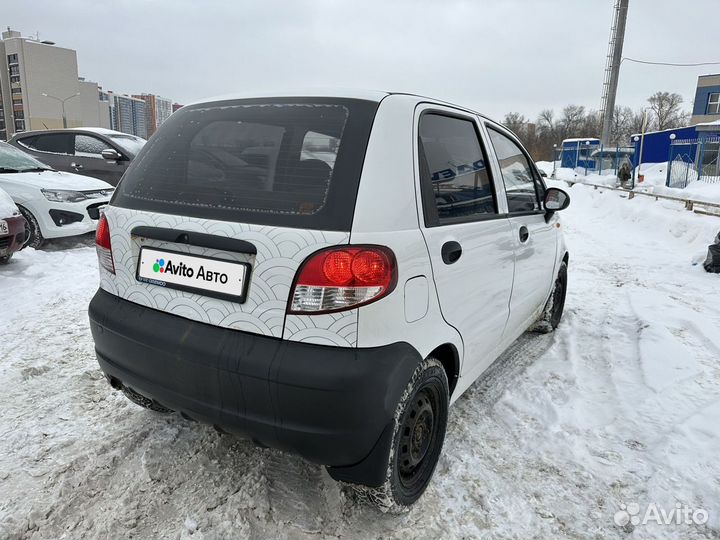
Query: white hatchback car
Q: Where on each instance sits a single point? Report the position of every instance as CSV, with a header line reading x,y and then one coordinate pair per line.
x,y
54,204
326,274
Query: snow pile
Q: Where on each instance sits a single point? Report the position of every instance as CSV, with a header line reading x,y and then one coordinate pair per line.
x,y
578,175
620,406
654,178
547,166
7,205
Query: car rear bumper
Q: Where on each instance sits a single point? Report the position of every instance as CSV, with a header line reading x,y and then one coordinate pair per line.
x,y
15,240
332,405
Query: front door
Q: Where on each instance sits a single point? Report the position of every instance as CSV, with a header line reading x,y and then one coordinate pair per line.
x,y
89,161
468,237
534,236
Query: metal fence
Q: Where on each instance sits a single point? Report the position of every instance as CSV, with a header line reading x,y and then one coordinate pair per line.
x,y
597,159
693,160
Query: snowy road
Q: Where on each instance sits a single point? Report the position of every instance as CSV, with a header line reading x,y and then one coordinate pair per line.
x,y
621,405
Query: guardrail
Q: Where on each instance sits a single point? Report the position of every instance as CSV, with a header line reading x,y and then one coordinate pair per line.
x,y
690,204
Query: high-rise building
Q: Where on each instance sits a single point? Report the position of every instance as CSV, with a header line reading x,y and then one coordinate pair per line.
x,y
127,114
157,110
40,88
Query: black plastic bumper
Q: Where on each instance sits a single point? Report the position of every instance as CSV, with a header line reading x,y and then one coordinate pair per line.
x,y
331,405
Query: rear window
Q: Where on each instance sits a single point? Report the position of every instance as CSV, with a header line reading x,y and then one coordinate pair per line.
x,y
293,163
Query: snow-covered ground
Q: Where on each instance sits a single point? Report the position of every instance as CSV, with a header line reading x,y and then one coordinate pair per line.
x,y
620,406
654,176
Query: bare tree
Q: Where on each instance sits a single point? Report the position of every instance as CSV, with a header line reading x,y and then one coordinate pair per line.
x,y
666,111
571,121
516,123
546,121
622,126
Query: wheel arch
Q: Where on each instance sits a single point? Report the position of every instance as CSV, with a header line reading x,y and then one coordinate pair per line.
x,y
449,357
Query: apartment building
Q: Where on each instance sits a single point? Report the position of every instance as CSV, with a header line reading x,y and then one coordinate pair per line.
x,y
127,114
40,88
157,110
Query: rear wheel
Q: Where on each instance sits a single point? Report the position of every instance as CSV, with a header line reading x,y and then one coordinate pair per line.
x,y
552,314
33,235
420,423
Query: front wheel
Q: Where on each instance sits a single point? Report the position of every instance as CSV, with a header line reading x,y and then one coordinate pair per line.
x,y
33,235
553,311
6,258
418,436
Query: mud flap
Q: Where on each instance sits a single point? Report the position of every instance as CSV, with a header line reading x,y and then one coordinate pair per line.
x,y
371,471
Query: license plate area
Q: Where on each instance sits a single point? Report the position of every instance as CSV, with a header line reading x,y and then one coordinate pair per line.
x,y
4,228
209,276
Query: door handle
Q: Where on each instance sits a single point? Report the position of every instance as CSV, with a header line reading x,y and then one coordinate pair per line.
x,y
76,166
524,234
451,252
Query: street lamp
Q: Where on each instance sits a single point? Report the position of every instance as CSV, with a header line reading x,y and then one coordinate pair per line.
x,y
62,101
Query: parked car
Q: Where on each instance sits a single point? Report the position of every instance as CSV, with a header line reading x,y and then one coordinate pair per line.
x,y
55,204
335,307
12,228
97,152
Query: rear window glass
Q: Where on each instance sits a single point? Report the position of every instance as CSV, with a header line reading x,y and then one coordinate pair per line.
x,y
286,163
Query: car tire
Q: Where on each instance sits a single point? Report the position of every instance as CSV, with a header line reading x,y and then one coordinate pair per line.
x,y
553,311
6,258
418,436
33,234
145,402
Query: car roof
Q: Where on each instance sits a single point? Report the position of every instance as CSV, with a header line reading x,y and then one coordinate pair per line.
x,y
342,93
96,130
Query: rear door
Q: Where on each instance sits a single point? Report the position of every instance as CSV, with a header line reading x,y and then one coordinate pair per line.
x,y
467,234
89,161
262,183
534,237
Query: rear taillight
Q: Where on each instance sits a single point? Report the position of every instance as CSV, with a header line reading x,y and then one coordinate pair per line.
x,y
102,245
336,279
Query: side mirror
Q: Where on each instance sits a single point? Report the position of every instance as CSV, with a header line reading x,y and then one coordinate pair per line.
x,y
556,200
110,154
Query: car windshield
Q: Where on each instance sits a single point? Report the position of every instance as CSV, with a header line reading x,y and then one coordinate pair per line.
x,y
129,143
15,160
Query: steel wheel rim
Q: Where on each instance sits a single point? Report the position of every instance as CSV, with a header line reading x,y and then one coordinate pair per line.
x,y
418,437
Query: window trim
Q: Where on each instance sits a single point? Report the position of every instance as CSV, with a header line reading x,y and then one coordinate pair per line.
x,y
713,103
533,170
431,218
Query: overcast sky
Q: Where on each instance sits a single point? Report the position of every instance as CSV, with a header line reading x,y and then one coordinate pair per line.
x,y
495,56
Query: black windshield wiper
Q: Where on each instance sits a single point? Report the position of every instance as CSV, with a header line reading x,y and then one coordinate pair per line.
x,y
8,169
36,169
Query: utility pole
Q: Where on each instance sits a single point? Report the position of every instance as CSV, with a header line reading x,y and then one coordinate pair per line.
x,y
612,68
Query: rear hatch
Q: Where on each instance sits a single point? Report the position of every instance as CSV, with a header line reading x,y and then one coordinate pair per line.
x,y
215,215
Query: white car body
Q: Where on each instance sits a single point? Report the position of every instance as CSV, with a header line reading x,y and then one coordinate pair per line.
x,y
467,311
26,190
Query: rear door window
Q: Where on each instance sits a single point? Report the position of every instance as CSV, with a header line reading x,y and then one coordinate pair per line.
x,y
456,183
293,163
53,143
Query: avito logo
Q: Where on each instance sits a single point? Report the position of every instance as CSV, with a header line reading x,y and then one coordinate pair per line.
x,y
181,269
